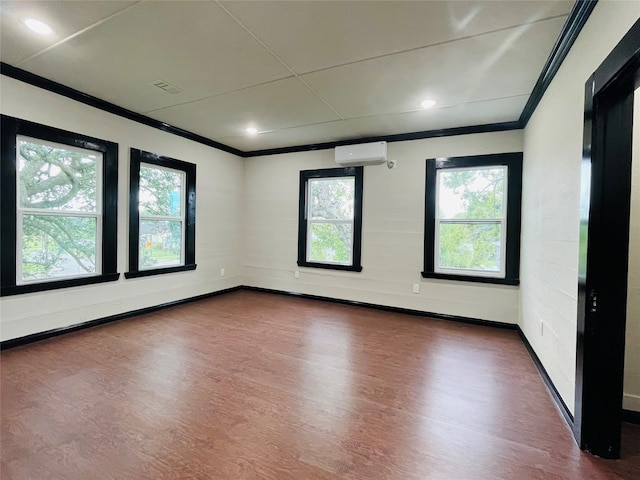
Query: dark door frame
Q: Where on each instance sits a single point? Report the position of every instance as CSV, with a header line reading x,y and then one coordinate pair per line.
x,y
604,248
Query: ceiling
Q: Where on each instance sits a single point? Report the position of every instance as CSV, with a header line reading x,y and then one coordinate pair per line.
x,y
300,72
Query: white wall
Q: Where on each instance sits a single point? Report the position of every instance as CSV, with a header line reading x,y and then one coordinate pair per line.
x,y
219,206
392,236
631,399
264,200
247,218
551,193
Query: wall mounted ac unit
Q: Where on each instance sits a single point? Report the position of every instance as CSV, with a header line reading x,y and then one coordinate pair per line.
x,y
364,154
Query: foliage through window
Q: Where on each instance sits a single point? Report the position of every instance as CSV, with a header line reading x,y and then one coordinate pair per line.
x,y
56,207
59,211
162,215
330,223
472,216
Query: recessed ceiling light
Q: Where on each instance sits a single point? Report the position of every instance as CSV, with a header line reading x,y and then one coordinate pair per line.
x,y
427,103
252,131
38,26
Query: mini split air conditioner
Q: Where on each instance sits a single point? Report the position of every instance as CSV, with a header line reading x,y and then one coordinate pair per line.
x,y
364,154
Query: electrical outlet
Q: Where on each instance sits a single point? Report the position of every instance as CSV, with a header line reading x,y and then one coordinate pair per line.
x,y
222,272
296,274
416,288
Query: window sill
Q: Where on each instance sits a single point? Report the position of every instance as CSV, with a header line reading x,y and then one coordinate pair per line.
x,y
471,278
56,284
160,271
330,266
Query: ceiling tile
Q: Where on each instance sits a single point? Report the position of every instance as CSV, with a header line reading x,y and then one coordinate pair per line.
x,y
494,65
271,106
195,46
478,59
65,17
310,36
477,113
309,134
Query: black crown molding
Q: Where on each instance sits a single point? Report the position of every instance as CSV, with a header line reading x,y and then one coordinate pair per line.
x,y
60,89
572,27
400,137
570,30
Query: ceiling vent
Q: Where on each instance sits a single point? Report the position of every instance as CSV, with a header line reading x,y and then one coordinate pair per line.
x,y
166,86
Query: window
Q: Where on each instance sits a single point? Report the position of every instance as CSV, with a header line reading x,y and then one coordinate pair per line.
x,y
472,218
59,208
330,218
162,214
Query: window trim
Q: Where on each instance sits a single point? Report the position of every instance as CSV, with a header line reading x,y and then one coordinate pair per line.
x,y
513,162
356,252
11,128
502,221
137,157
22,212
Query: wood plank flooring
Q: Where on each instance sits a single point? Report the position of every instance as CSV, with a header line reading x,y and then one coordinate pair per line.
x,y
251,385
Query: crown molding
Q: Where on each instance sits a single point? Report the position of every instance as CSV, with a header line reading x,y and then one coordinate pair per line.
x,y
60,89
575,21
570,30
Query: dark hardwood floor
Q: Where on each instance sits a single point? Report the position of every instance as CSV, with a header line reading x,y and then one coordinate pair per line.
x,y
252,385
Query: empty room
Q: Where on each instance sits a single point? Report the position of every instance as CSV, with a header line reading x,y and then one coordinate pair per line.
x,y
320,239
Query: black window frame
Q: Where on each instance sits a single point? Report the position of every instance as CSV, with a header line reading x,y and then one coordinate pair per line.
x,y
513,162
356,254
10,128
137,157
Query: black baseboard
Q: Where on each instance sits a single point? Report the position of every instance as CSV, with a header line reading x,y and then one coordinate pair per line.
x,y
630,416
568,416
562,407
420,313
35,337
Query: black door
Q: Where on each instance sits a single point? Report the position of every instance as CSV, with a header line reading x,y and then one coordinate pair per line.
x,y
604,248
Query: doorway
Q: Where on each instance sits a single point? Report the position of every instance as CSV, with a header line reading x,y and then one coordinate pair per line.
x,y
631,394
604,248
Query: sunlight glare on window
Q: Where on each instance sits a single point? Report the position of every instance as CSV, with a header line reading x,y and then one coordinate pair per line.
x,y
471,193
